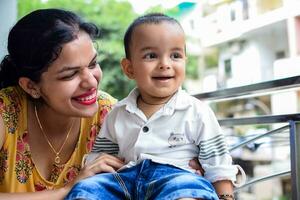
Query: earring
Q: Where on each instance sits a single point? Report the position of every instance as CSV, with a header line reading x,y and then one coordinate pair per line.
x,y
35,95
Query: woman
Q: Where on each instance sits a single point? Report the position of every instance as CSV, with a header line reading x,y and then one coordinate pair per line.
x,y
50,108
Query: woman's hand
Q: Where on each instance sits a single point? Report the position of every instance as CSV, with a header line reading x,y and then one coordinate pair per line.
x,y
103,163
194,164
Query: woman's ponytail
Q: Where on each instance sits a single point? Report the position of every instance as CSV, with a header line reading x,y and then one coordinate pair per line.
x,y
8,73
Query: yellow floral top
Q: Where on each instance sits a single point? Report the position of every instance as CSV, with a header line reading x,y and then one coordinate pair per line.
x,y
17,170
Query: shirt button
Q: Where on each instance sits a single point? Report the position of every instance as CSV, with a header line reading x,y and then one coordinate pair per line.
x,y
145,129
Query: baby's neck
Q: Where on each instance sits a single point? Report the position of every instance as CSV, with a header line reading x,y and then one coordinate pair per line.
x,y
149,107
154,102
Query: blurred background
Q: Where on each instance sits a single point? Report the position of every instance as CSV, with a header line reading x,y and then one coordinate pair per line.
x,y
230,43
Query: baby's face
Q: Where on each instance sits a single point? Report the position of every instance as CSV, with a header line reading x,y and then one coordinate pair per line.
x,y
158,59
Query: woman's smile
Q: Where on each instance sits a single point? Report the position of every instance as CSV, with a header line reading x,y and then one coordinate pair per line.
x,y
87,98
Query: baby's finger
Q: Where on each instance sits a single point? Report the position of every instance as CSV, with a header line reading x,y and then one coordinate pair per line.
x,y
199,172
194,164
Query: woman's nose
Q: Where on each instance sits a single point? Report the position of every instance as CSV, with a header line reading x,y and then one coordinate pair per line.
x,y
87,78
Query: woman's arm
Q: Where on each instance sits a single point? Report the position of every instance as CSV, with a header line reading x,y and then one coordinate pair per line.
x,y
58,194
2,131
105,163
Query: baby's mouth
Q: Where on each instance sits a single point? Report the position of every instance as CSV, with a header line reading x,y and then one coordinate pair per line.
x,y
162,77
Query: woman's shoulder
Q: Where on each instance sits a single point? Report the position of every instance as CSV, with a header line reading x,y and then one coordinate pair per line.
x,y
11,96
4,92
11,105
105,99
11,93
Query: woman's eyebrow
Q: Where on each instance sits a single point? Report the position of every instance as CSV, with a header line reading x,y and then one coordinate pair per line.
x,y
94,58
68,68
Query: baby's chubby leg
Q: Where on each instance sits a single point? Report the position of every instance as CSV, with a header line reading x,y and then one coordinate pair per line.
x,y
188,199
105,186
169,182
100,186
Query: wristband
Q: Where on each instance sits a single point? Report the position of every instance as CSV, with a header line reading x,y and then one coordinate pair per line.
x,y
226,197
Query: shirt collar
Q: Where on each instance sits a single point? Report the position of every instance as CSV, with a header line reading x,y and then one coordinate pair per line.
x,y
130,101
179,101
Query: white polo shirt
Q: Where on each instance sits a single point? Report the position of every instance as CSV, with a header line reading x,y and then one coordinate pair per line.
x,y
182,129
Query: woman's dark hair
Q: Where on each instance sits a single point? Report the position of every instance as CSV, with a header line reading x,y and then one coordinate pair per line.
x,y
36,41
151,18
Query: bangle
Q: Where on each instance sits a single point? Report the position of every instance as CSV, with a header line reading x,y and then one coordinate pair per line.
x,y
226,197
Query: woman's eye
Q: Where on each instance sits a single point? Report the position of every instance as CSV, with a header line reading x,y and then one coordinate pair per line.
x,y
93,65
69,76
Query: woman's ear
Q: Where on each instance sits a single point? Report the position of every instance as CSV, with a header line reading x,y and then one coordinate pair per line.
x,y
127,68
29,87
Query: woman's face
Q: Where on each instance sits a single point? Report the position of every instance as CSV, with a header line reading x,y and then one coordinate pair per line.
x,y
69,86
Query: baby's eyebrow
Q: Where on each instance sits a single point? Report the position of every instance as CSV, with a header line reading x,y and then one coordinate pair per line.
x,y
147,48
178,49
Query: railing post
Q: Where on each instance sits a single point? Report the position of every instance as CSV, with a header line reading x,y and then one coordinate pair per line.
x,y
295,159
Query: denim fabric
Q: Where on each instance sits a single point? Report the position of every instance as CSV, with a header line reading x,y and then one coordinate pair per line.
x,y
148,180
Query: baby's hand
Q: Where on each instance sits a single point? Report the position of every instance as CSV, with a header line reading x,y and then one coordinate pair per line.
x,y
194,164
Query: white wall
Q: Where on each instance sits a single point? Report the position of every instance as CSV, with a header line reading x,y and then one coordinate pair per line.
x,y
8,15
285,102
252,62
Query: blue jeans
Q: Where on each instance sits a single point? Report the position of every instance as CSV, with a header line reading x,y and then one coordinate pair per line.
x,y
147,180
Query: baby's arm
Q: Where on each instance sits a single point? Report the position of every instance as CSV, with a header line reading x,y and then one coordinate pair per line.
x,y
224,188
214,155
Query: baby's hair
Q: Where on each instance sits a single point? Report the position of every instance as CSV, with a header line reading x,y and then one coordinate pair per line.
x,y
151,18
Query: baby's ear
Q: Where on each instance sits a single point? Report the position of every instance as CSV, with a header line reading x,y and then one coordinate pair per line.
x,y
127,68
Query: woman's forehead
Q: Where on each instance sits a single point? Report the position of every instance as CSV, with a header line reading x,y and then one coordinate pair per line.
x,y
78,52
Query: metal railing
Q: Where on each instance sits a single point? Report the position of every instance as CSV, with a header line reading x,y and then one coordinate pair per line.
x,y
291,121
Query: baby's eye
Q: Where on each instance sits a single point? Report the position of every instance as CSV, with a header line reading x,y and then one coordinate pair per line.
x,y
150,56
176,55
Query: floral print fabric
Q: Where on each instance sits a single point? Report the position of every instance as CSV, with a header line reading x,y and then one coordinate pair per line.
x,y
17,170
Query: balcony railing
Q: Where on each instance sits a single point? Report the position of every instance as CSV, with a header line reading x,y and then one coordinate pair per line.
x,y
291,122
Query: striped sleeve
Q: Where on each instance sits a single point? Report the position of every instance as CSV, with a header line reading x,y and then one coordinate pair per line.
x,y
103,145
214,155
213,147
